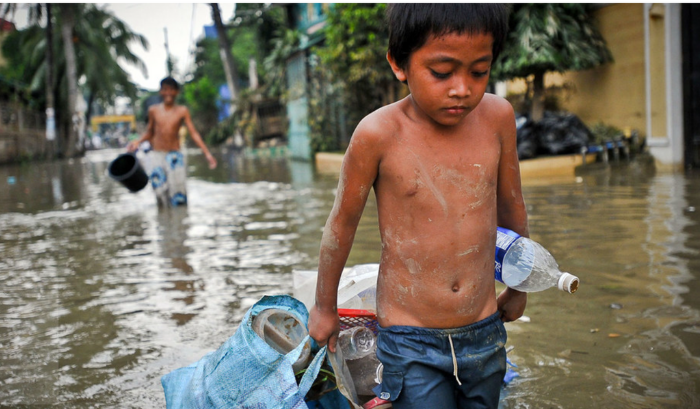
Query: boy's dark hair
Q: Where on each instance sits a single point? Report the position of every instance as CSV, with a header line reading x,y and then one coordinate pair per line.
x,y
410,25
170,81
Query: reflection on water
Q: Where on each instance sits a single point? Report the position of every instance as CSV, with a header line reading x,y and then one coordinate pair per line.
x,y
101,293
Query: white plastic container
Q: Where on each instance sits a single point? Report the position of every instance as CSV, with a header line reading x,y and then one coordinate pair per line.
x,y
357,288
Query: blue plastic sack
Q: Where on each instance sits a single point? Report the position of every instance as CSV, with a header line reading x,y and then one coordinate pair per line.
x,y
245,372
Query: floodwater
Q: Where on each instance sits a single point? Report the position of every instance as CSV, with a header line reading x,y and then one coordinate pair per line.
x,y
101,294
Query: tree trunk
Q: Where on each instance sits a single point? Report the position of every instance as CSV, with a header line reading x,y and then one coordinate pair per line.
x,y
226,56
50,111
537,108
67,24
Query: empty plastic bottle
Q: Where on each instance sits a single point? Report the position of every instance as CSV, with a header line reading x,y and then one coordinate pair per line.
x,y
358,345
356,342
524,265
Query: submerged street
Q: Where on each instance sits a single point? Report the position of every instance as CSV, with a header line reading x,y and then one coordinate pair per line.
x,y
101,293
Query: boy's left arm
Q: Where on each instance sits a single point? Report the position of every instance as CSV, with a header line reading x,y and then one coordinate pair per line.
x,y
198,139
512,213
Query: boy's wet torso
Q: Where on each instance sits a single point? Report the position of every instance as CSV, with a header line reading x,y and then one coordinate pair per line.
x,y
437,184
437,215
167,122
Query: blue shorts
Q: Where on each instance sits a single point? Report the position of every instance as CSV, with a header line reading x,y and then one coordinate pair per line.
x,y
419,365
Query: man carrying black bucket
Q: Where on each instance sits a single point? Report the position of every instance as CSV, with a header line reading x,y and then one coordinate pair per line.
x,y
168,171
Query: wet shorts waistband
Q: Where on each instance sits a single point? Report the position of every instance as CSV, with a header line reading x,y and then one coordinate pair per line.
x,y
412,330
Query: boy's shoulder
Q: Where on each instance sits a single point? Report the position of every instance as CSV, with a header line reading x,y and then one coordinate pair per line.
x,y
495,108
380,123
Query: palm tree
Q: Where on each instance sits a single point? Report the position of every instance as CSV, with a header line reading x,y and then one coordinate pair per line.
x,y
68,13
549,37
98,40
102,39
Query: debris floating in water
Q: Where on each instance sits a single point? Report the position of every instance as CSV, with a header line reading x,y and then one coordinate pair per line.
x,y
616,306
613,335
594,330
11,180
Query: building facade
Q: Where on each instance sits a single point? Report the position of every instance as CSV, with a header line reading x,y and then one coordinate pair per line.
x,y
653,85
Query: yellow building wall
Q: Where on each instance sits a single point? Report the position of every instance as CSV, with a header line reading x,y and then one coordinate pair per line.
x,y
615,93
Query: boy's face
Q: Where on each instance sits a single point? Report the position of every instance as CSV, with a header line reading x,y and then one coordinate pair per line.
x,y
448,75
168,93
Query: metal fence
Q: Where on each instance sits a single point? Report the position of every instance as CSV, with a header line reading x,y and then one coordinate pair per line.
x,y
16,118
22,133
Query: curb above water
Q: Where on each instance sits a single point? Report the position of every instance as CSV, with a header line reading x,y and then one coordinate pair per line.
x,y
553,166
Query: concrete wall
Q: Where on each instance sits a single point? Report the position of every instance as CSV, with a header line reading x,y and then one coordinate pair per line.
x,y
627,93
16,146
613,93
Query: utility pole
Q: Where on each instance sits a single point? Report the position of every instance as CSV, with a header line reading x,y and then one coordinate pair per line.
x,y
168,60
226,56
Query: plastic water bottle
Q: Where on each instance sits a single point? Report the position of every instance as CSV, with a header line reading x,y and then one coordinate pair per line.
x,y
358,345
524,265
356,342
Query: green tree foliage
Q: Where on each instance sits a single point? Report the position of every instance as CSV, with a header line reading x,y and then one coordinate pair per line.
x,y
201,97
208,61
354,50
284,45
99,39
549,37
99,45
251,35
352,68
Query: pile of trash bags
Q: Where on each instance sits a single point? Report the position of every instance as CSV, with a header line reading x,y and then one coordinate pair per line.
x,y
556,133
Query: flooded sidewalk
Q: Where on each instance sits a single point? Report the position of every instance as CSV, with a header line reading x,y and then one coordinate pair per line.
x,y
101,293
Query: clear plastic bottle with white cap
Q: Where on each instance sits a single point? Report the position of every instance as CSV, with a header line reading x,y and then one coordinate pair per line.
x,y
524,265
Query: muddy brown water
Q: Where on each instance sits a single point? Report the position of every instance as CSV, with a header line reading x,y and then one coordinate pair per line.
x,y
101,294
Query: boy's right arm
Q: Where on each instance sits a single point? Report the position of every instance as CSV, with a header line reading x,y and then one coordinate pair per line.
x,y
512,213
357,175
134,145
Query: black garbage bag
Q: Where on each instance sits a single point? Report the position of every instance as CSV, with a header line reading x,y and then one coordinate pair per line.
x,y
560,133
528,145
554,134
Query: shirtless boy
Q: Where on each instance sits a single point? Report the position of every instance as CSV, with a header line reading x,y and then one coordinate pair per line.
x,y
168,174
445,172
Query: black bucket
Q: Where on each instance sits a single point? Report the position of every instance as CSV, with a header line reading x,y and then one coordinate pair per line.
x,y
127,170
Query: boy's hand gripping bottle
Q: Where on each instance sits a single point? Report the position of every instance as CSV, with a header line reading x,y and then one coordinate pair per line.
x,y
524,265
